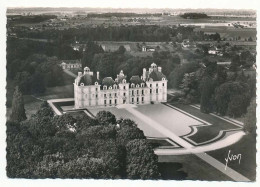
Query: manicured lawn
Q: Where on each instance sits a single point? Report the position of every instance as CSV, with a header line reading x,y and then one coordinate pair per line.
x,y
209,132
175,121
189,167
247,148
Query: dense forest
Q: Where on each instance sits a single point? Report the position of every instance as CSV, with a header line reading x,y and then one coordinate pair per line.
x,y
18,19
194,16
48,146
145,33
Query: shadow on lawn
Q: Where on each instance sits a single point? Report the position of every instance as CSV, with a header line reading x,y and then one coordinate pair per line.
x,y
172,171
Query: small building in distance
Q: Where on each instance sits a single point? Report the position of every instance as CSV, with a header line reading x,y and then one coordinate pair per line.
x,y
71,64
224,63
91,91
148,48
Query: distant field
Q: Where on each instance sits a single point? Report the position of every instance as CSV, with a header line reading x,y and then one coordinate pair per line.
x,y
227,32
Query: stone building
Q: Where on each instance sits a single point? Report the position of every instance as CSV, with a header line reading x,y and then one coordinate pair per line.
x,y
91,91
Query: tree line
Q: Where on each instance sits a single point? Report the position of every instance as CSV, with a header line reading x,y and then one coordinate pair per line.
x,y
146,33
215,87
49,146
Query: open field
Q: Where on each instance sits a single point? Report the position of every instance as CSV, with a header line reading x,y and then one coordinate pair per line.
x,y
230,32
32,103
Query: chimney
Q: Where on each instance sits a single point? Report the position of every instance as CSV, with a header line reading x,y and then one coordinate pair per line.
x,y
144,74
97,75
160,69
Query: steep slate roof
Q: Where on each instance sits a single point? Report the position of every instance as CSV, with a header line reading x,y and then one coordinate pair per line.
x,y
156,75
136,79
108,81
87,80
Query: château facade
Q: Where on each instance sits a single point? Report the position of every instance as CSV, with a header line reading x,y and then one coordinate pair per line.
x,y
90,91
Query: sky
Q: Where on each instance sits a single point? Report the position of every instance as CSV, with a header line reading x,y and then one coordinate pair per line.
x,y
227,4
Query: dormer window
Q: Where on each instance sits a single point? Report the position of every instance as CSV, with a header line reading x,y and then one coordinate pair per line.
x,y
163,79
137,86
124,81
110,87
104,87
96,83
82,84
115,86
132,85
142,84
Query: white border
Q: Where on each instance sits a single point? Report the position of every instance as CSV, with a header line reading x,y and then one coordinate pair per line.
x,y
228,4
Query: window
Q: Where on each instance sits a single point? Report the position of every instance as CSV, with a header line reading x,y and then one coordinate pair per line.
x,y
110,101
105,102
162,84
157,90
115,94
110,95
142,92
124,87
137,92
132,85
96,89
81,84
137,86
157,85
142,99
124,94
150,85
132,100
133,92
105,95
104,87
150,91
96,95
115,101
110,87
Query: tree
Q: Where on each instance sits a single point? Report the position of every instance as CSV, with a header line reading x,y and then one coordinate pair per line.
x,y
18,111
229,91
128,133
22,79
207,87
105,118
141,162
250,118
121,49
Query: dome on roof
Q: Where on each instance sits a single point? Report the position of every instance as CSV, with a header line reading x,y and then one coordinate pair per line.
x,y
135,79
86,79
86,68
108,81
156,75
153,65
